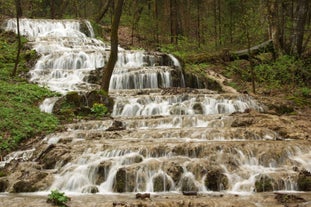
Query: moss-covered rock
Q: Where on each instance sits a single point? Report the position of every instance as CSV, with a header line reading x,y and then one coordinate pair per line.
x,y
263,184
304,181
215,180
90,189
102,171
175,171
188,184
4,183
119,184
161,183
74,104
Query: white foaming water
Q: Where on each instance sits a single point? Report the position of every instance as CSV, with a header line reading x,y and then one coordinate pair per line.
x,y
181,105
24,155
48,104
168,154
68,56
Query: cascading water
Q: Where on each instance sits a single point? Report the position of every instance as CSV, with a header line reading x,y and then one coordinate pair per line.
x,y
167,143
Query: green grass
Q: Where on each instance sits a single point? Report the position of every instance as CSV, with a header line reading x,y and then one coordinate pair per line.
x,y
20,116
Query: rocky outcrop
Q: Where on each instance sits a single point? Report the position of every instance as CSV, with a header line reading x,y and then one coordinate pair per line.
x,y
27,177
54,154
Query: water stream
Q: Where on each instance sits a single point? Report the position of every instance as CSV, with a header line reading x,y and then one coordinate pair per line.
x,y
168,143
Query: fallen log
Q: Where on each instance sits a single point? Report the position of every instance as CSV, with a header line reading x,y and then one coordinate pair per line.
x,y
266,46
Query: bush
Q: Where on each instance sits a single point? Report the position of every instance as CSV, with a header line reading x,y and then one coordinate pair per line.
x,y
58,198
99,109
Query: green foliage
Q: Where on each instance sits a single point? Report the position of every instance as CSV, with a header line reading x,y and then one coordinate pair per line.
x,y
58,198
281,72
20,115
305,92
273,75
99,109
183,49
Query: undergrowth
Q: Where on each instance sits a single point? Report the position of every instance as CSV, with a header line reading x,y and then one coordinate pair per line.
x,y
21,118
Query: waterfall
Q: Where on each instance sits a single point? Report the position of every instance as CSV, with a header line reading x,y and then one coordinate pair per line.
x,y
67,56
171,141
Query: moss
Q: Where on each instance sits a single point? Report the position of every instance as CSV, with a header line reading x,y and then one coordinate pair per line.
x,y
160,184
263,184
215,180
304,181
119,184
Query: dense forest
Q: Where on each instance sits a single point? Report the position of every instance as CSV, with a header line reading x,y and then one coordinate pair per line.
x,y
192,24
193,29
251,42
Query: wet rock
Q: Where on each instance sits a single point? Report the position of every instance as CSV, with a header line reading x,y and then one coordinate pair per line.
x,y
161,183
102,171
124,181
242,122
90,189
4,183
263,184
31,181
288,198
23,186
142,196
133,159
304,181
188,184
54,154
197,108
175,171
215,180
116,125
95,76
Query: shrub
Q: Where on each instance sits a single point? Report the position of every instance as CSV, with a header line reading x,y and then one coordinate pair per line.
x,y
99,109
58,198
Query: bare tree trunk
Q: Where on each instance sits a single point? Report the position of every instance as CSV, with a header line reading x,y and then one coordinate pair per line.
x,y
114,46
173,21
136,18
52,9
215,23
274,26
199,23
302,10
156,18
104,11
18,14
251,60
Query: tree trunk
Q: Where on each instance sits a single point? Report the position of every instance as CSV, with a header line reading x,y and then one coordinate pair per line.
x,y
199,23
302,10
18,14
173,21
52,9
156,18
251,60
104,11
135,19
274,26
114,46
